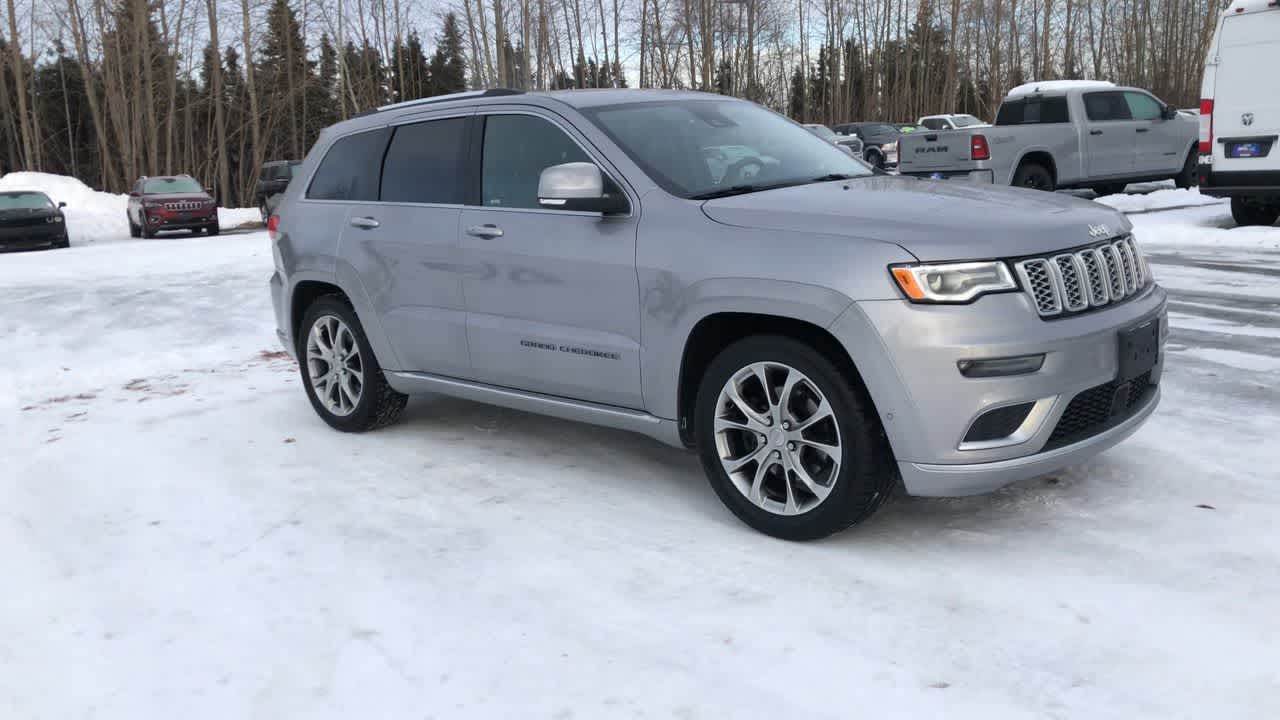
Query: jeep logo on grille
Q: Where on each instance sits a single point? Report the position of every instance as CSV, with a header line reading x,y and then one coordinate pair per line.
x,y
1097,232
930,149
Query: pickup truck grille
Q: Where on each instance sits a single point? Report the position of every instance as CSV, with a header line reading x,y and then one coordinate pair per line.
x,y
1081,280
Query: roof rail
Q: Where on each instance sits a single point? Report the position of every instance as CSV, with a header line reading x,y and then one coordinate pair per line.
x,y
492,92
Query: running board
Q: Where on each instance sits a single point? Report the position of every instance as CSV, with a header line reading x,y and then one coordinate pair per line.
x,y
665,431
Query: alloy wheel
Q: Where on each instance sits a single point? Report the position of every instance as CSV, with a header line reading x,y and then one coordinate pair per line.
x,y
777,438
334,365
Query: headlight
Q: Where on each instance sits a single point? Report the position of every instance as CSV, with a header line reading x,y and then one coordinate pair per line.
x,y
54,219
953,282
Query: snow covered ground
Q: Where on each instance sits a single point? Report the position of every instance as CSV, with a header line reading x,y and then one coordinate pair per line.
x,y
180,536
96,217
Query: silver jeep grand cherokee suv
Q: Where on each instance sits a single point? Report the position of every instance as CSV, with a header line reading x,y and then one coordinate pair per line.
x,y
704,271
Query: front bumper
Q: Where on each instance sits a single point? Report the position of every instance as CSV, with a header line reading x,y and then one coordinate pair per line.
x,y
908,354
33,237
175,220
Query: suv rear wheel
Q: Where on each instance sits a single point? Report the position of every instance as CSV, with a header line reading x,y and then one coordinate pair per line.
x,y
787,442
342,377
1246,212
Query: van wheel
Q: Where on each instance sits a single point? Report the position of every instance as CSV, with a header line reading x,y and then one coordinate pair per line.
x,y
1254,213
1033,175
788,444
342,377
1189,177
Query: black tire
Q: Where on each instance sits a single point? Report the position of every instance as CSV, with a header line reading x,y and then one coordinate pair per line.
x,y
867,474
134,230
1254,213
1109,189
147,232
1190,175
379,404
1035,176
875,158
213,229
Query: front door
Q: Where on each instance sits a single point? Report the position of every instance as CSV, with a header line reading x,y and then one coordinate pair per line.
x,y
552,296
1112,133
1157,145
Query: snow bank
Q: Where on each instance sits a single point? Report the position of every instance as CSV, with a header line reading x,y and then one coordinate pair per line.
x,y
1165,198
1208,228
94,216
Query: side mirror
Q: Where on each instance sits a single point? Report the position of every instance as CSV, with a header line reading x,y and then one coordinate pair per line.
x,y
1169,113
61,205
578,186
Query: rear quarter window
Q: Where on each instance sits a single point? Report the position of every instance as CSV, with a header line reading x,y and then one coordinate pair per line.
x,y
351,168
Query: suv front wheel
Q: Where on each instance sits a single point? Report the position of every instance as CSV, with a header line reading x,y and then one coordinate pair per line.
x,y
787,442
342,377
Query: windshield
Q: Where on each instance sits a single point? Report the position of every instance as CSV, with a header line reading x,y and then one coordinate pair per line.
x,y
162,186
700,148
965,121
24,201
821,131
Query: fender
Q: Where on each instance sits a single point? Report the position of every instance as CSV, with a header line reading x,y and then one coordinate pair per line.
x,y
670,314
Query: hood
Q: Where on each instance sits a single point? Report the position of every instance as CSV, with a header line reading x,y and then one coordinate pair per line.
x,y
177,197
933,220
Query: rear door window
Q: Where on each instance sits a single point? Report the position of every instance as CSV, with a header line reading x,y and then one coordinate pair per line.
x,y
1033,111
1142,106
1104,106
351,168
425,162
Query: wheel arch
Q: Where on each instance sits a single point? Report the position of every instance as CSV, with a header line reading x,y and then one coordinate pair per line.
x,y
1039,156
714,331
306,288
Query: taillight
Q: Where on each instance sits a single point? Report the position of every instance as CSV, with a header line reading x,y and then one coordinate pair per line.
x,y
1206,126
978,149
273,225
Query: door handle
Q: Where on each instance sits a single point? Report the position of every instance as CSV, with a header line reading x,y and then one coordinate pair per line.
x,y
488,230
364,223
1144,129
1095,132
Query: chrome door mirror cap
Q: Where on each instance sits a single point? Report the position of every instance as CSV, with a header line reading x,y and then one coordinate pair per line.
x,y
578,186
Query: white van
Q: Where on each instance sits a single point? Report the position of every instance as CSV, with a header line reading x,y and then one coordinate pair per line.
x,y
1240,112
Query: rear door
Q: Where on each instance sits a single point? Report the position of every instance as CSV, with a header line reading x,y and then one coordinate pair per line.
x,y
1247,94
1111,134
404,246
1158,142
553,300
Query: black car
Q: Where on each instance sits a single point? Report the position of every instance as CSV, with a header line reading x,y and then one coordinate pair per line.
x,y
272,180
879,141
29,220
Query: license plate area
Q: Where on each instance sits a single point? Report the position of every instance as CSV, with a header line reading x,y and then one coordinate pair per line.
x,y
1248,149
1139,349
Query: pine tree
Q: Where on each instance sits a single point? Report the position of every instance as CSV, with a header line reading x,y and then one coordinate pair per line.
x,y
281,76
410,73
448,69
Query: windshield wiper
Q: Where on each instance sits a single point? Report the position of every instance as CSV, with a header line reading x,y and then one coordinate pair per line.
x,y
744,189
833,176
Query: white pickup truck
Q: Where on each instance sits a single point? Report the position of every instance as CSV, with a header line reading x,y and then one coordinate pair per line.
x,y
1063,134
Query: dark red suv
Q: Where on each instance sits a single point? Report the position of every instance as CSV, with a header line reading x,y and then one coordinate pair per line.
x,y
170,202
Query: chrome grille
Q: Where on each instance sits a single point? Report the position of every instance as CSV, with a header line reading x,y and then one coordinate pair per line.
x,y
184,205
1091,277
1068,276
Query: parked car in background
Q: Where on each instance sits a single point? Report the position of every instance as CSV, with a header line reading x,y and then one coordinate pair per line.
x,y
170,202
950,122
817,331
1064,134
906,127
849,143
879,141
1240,112
29,220
272,181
